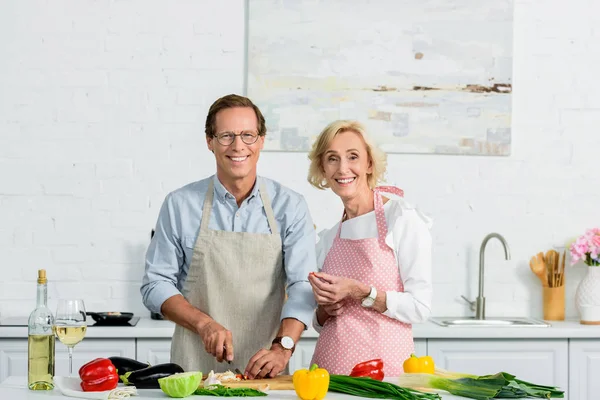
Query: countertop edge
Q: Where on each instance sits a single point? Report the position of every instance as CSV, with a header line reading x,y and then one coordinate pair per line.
x,y
153,329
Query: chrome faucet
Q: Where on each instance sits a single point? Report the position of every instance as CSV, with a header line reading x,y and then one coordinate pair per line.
x,y
480,302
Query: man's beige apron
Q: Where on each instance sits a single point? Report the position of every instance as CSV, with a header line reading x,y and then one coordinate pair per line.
x,y
238,279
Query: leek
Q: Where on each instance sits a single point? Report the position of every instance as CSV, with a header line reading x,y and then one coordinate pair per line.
x,y
371,388
498,386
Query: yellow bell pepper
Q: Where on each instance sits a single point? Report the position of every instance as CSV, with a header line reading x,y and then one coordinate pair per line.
x,y
311,384
415,365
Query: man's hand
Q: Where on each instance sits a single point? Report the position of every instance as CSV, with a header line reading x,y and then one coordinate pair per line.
x,y
268,363
217,340
331,289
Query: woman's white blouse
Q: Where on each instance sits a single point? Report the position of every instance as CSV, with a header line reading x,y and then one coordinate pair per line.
x,y
410,237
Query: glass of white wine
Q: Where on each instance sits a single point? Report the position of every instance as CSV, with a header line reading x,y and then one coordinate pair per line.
x,y
70,325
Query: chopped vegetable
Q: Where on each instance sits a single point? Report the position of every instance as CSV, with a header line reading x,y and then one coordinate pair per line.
x,y
222,391
485,387
98,375
182,384
211,379
311,384
372,369
368,387
414,364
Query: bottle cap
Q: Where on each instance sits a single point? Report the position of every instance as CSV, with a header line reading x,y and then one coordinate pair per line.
x,y
42,276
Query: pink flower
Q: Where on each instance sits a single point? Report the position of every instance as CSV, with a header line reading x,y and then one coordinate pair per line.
x,y
586,248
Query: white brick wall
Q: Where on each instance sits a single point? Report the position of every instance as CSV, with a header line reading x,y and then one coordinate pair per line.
x,y
102,106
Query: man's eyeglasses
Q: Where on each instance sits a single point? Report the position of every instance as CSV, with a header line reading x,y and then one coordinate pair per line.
x,y
227,138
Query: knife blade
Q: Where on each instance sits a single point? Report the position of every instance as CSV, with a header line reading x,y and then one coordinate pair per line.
x,y
237,371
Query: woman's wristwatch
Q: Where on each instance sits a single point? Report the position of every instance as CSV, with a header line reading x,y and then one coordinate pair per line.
x,y
370,299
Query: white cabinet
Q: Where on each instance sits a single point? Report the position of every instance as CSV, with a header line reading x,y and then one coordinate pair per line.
x,y
13,354
154,351
584,369
13,358
541,361
420,347
303,354
88,350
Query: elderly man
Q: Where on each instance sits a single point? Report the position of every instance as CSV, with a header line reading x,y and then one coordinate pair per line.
x,y
226,251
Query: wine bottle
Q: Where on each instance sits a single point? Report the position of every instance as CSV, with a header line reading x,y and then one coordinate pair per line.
x,y
40,366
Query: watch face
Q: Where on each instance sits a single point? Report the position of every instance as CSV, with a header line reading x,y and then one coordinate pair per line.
x,y
368,302
287,342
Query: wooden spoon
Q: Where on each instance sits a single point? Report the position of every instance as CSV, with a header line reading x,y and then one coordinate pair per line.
x,y
538,266
550,267
561,269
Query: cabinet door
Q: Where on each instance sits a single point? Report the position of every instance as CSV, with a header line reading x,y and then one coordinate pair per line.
x,y
154,351
420,347
584,365
303,354
13,354
539,361
88,350
13,358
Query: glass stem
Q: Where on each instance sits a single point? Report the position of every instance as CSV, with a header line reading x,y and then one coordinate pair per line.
x,y
70,361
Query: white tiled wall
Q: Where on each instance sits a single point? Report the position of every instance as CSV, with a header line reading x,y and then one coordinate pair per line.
x,y
102,106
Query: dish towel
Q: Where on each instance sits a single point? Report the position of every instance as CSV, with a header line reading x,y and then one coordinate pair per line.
x,y
71,387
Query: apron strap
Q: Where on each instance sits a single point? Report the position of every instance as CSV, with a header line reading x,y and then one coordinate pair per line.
x,y
208,200
207,207
382,228
268,209
390,189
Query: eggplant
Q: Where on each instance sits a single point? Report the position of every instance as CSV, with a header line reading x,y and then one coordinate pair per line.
x,y
124,364
147,378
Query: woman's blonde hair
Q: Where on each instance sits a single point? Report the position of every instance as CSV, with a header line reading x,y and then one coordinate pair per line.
x,y
377,157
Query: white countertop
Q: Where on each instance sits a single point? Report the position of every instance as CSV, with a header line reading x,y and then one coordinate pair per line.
x,y
15,388
153,329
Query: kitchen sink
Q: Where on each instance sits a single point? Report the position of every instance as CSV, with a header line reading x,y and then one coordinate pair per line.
x,y
459,322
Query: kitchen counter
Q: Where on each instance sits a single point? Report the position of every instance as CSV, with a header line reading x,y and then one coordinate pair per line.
x,y
15,388
153,329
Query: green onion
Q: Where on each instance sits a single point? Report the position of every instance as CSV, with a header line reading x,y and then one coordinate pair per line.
x,y
371,388
222,391
485,387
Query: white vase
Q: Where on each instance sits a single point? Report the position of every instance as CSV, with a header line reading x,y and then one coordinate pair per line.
x,y
587,298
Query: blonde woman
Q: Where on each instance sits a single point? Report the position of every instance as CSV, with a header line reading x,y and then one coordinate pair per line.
x,y
374,278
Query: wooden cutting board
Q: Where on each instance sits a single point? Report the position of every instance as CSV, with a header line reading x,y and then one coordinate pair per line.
x,y
280,382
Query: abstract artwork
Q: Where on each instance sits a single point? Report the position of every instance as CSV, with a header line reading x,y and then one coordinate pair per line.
x,y
424,76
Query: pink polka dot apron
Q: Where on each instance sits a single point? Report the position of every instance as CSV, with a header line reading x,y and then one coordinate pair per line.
x,y
360,334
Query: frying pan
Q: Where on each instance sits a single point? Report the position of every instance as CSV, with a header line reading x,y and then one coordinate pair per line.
x,y
111,318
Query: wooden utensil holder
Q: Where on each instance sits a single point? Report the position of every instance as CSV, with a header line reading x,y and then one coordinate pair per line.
x,y
554,303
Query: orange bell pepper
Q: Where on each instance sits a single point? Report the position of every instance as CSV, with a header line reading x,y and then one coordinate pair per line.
x,y
311,384
415,365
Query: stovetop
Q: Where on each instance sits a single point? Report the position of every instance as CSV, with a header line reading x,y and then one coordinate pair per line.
x,y
23,321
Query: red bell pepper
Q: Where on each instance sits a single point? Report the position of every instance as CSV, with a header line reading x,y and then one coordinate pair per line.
x,y
372,369
98,375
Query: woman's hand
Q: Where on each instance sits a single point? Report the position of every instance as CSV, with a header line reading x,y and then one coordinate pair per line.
x,y
330,289
334,309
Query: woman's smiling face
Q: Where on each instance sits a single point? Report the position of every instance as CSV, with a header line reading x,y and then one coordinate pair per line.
x,y
346,164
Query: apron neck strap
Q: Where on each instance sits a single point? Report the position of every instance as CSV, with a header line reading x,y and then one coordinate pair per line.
x,y
207,207
267,206
382,229
208,201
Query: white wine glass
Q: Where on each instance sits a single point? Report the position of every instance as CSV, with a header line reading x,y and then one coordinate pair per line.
x,y
70,325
